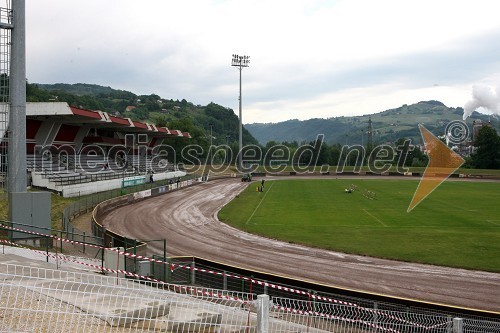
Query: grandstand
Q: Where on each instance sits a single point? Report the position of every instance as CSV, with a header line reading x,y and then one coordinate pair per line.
x,y
75,151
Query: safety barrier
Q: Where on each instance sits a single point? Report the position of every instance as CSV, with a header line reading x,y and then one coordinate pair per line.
x,y
298,300
64,300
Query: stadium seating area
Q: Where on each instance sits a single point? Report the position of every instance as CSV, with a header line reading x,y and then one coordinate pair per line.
x,y
69,146
66,170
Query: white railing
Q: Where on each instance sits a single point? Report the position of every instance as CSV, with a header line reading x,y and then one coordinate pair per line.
x,y
36,299
45,300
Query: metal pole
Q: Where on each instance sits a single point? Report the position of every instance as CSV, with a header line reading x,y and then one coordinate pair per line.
x,y
165,267
240,146
458,325
193,273
262,313
240,62
47,247
209,158
103,231
17,181
227,151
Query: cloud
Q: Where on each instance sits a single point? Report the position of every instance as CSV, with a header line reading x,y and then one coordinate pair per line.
x,y
305,55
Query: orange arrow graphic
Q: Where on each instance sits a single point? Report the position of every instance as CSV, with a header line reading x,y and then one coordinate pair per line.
x,y
442,163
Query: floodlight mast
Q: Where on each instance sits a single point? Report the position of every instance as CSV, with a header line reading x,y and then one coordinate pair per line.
x,y
240,62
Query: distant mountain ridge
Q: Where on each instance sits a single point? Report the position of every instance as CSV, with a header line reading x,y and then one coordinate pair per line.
x,y
387,126
81,89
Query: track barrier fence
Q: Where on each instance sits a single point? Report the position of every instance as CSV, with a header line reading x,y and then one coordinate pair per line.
x,y
315,309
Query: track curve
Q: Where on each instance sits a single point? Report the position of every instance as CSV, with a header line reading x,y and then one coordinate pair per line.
x,y
187,219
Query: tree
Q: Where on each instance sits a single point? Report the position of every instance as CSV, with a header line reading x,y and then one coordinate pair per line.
x,y
488,149
161,121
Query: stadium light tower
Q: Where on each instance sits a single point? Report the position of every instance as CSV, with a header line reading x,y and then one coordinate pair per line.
x,y
240,62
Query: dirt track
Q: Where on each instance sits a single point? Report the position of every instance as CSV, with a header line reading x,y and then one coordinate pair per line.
x,y
187,219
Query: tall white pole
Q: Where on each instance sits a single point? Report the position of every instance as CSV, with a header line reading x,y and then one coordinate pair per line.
x,y
240,147
17,181
210,150
240,62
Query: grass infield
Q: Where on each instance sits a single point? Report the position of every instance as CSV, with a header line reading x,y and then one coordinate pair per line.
x,y
457,225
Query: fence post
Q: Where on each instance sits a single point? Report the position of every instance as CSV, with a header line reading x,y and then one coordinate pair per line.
x,y
458,325
47,247
193,273
375,313
262,313
125,247
164,261
103,234
135,255
224,280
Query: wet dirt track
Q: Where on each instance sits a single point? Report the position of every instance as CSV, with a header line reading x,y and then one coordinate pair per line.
x,y
187,220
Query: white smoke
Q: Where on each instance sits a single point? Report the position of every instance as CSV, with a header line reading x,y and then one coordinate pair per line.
x,y
483,96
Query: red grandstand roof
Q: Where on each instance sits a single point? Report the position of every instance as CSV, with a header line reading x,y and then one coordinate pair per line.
x,y
105,118
140,125
120,121
163,130
85,113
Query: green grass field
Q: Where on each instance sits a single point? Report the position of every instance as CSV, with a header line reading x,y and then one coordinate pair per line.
x,y
457,225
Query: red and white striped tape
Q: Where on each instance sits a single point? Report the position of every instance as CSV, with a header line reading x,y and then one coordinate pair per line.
x,y
332,317
224,274
120,271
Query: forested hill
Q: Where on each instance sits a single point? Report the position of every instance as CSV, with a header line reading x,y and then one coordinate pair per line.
x,y
198,120
388,126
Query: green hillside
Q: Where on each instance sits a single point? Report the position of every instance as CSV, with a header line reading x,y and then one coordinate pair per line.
x,y
388,126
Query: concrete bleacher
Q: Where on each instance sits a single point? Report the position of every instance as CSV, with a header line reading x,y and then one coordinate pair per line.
x,y
148,163
38,162
74,175
66,177
141,163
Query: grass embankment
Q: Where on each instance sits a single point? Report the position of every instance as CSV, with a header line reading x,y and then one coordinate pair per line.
x,y
458,225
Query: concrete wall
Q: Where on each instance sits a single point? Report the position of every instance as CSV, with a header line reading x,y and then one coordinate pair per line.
x,y
75,190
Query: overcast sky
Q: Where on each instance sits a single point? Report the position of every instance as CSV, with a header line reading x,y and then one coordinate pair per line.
x,y
309,58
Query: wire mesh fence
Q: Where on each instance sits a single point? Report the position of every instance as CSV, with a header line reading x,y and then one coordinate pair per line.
x,y
345,318
374,315
41,300
38,299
